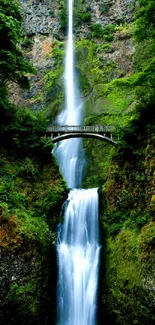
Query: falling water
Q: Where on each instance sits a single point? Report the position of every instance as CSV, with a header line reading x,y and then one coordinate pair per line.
x,y
67,152
77,247
78,253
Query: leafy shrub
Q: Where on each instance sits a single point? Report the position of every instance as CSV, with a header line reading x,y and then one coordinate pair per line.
x,y
4,210
104,8
26,296
106,32
34,228
28,169
13,65
147,241
86,17
82,17
27,43
63,17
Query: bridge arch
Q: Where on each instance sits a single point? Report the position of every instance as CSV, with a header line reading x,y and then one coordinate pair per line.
x,y
65,136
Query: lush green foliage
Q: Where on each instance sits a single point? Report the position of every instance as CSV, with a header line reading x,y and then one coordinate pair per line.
x,y
145,20
25,293
127,100
53,82
127,202
144,32
128,296
63,16
13,65
31,187
22,131
106,32
32,190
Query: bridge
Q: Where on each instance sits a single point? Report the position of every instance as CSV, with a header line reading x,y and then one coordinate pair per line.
x,y
63,132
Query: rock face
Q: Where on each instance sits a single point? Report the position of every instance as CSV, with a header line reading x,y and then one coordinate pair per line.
x,y
27,285
41,48
39,27
40,17
42,30
111,11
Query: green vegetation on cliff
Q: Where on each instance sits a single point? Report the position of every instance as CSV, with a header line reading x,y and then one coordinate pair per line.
x,y
30,182
127,199
31,190
13,65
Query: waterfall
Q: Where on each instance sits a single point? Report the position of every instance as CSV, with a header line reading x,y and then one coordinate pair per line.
x,y
77,244
67,152
78,254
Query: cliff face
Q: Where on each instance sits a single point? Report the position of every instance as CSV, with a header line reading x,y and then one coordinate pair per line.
x,y
32,193
44,29
40,17
40,26
128,221
28,277
111,11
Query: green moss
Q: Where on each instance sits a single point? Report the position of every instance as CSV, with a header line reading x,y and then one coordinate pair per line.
x,y
27,186
31,187
53,83
147,242
115,103
123,287
28,294
88,65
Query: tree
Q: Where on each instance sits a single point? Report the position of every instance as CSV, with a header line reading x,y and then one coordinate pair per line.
x,y
145,20
13,65
144,58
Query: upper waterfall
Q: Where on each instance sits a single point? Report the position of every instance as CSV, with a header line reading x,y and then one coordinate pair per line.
x,y
67,152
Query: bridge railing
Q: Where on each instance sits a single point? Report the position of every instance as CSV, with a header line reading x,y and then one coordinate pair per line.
x,y
80,128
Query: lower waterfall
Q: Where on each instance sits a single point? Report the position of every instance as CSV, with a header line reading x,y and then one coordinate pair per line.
x,y
78,259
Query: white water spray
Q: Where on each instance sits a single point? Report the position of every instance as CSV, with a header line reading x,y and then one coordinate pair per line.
x,y
78,248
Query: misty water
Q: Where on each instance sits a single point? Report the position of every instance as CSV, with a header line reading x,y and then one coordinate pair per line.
x,y
78,241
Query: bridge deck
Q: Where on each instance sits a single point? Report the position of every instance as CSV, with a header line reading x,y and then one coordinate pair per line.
x,y
80,129
63,132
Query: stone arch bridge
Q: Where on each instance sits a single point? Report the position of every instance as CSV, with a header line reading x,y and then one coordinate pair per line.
x,y
63,132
